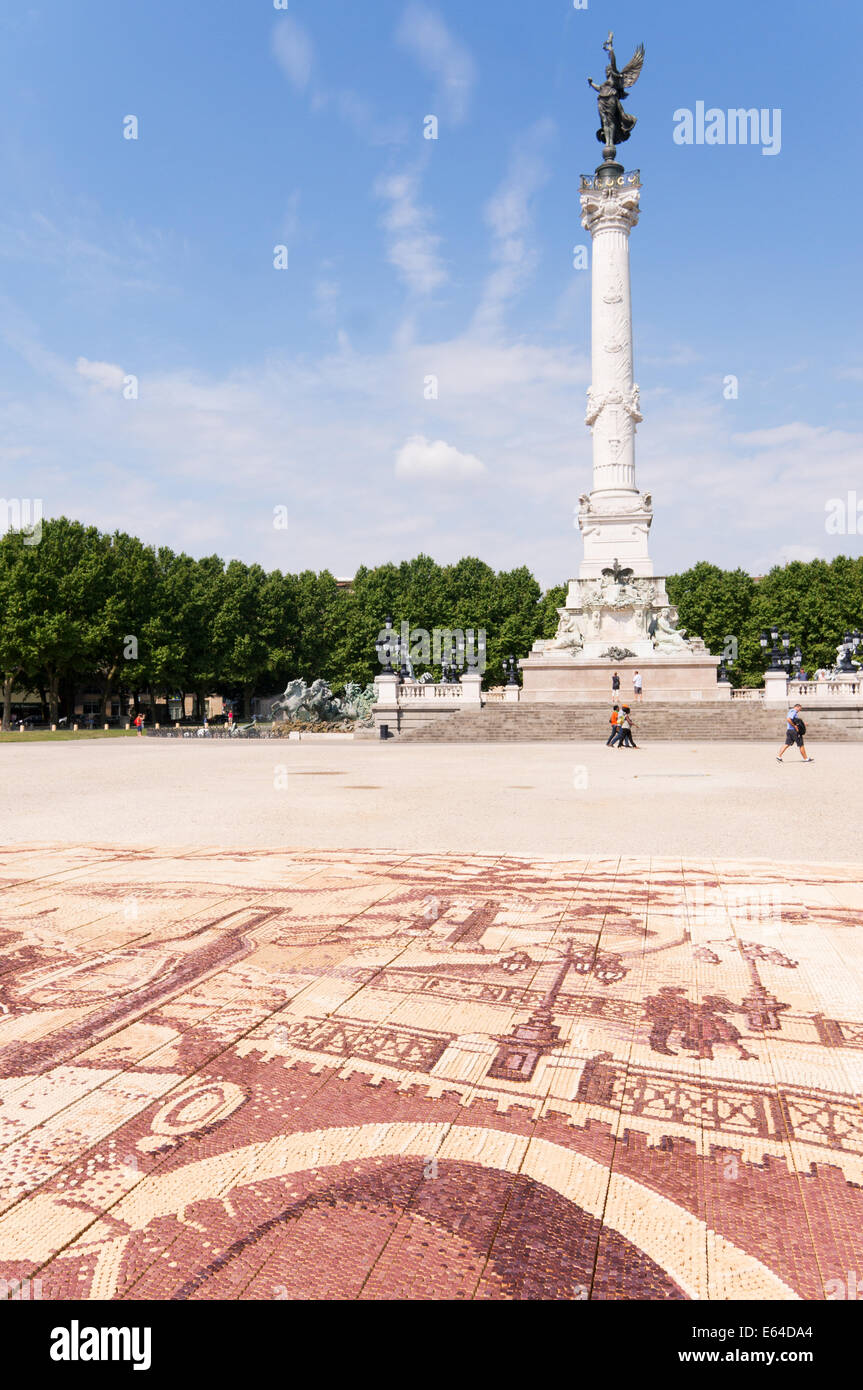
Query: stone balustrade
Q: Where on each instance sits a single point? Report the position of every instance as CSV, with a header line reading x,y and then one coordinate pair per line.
x,y
834,688
411,691
837,688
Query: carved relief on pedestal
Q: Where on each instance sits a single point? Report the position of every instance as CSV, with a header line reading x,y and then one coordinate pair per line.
x,y
618,607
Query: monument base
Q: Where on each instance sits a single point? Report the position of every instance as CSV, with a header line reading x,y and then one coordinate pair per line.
x,y
558,679
620,622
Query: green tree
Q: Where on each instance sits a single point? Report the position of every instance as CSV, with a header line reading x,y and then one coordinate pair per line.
x,y
63,577
16,617
242,645
547,614
125,596
716,605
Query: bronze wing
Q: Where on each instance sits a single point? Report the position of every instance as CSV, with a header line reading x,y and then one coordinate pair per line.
x,y
630,73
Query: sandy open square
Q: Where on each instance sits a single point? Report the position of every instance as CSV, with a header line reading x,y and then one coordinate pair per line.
x,y
732,800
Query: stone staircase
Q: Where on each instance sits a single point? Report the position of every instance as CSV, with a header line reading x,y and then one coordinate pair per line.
x,y
550,723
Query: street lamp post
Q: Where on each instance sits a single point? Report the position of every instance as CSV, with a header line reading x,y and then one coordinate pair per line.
x,y
384,648
781,657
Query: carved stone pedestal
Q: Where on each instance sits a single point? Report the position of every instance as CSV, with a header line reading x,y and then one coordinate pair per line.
x,y
558,679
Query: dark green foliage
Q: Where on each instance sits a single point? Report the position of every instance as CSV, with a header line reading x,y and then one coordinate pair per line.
x,y
816,603
69,604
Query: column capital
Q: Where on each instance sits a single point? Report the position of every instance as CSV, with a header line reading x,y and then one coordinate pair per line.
x,y
609,207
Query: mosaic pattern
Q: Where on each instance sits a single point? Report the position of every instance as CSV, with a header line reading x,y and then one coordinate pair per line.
x,y
279,1075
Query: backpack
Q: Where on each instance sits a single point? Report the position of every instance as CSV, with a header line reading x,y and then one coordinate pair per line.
x,y
799,725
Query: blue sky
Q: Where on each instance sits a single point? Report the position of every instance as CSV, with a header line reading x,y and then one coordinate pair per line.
x,y
261,388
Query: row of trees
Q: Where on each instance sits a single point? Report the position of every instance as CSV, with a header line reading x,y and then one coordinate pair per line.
x,y
816,602
82,607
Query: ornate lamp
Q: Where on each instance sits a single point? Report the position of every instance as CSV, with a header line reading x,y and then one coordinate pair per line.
x,y
384,648
771,639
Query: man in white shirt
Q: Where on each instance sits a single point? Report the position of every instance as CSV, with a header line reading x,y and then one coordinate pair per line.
x,y
636,685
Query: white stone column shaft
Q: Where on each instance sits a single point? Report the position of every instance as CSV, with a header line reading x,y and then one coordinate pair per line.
x,y
615,519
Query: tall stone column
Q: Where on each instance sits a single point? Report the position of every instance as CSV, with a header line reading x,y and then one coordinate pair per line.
x,y
614,518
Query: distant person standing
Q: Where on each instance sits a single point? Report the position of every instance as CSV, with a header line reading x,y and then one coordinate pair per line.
x,y
795,731
139,724
636,686
615,684
613,722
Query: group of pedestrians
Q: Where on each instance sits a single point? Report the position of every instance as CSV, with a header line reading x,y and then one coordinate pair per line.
x,y
621,728
622,725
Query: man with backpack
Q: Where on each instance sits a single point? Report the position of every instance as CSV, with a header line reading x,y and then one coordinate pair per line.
x,y
795,732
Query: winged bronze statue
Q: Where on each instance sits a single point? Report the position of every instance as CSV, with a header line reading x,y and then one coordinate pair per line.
x,y
616,124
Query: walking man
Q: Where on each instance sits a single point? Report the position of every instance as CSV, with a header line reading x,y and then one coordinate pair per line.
x,y
615,714
636,686
795,730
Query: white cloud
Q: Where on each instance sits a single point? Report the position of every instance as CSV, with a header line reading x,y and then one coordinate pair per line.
x,y
780,436
509,216
131,259
105,375
421,459
468,368
212,454
294,52
423,33
411,248
674,356
804,553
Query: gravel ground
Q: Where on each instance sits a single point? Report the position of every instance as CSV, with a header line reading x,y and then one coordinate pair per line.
x,y
731,800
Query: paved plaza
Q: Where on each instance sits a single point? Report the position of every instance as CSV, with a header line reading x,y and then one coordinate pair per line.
x,y
268,1074
731,800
